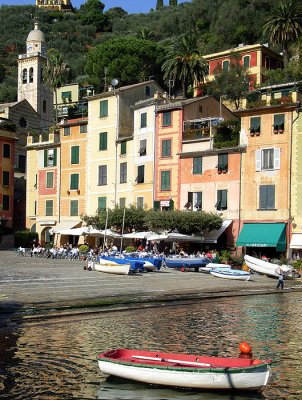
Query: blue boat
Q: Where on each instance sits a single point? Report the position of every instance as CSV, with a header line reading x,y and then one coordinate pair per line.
x,y
148,261
135,265
186,262
229,273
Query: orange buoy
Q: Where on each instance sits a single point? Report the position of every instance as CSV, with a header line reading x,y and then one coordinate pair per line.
x,y
245,348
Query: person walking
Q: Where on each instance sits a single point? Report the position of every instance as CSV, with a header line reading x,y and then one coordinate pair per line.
x,y
280,280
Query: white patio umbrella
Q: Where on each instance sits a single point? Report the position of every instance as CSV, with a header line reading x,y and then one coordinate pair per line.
x,y
174,236
139,235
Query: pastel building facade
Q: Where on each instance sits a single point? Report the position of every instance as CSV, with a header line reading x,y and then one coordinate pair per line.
x,y
270,130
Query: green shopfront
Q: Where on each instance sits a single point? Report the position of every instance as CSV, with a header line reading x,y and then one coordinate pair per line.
x,y
261,239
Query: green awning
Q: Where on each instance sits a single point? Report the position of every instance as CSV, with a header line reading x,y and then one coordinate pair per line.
x,y
263,235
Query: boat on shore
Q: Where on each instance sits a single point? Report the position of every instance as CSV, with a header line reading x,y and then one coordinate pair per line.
x,y
109,267
186,262
228,273
186,370
270,269
209,267
135,265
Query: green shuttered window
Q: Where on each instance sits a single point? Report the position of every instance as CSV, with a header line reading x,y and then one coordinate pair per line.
x,y
165,182
103,108
49,207
74,181
74,208
103,141
267,197
222,199
197,165
75,155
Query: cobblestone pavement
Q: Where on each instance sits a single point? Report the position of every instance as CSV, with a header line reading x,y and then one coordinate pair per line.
x,y
36,283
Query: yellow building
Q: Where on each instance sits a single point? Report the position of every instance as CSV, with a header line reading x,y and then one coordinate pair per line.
x,y
110,176
58,5
267,131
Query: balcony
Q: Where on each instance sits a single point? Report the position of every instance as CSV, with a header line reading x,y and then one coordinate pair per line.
x,y
73,110
199,128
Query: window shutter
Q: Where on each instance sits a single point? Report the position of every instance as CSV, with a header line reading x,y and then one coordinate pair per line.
x,y
277,158
190,197
258,160
224,203
54,157
262,197
270,197
156,205
45,157
171,205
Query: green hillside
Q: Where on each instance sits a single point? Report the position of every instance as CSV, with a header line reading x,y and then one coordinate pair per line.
x,y
219,24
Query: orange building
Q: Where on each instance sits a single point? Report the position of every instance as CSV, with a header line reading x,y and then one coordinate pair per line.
x,y
257,58
7,157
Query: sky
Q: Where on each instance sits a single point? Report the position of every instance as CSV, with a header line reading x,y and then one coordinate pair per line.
x,y
131,6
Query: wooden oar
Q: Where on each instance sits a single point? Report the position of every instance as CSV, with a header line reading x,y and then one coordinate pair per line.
x,y
176,361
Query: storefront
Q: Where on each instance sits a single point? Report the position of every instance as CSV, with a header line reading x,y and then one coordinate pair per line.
x,y
267,239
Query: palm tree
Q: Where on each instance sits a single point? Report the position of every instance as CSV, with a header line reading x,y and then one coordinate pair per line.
x,y
145,34
284,26
184,62
55,73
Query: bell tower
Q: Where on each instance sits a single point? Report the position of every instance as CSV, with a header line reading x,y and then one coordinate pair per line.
x,y
30,77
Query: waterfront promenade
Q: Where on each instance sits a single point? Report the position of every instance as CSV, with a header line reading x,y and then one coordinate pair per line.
x,y
32,287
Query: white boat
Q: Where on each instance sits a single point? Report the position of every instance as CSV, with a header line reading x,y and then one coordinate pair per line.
x,y
109,267
228,273
267,268
186,370
209,267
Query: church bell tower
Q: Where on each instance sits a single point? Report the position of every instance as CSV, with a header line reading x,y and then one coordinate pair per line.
x,y
30,77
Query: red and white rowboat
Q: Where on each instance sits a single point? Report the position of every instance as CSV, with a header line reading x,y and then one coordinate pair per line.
x,y
186,370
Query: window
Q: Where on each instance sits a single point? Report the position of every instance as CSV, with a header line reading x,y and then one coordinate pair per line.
x,y
22,162
6,150
74,208
102,175
194,202
246,61
66,130
66,96
50,157
49,179
44,106
225,65
267,197
267,62
122,202
74,181
102,203
140,202
75,154
222,162
31,75
123,172
140,174
165,180
278,123
255,125
148,91
49,208
24,76
143,120
166,148
267,159
103,141
5,202
197,165
83,128
103,108
167,118
143,147
5,178
222,196
123,148
41,75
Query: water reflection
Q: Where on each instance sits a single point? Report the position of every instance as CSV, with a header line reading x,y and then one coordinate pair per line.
x,y
116,389
56,359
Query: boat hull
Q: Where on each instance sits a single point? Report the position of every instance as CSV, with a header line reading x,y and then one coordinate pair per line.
x,y
110,268
186,262
231,274
267,268
182,375
209,267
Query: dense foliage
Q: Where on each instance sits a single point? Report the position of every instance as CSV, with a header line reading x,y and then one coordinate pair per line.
x,y
140,220
219,24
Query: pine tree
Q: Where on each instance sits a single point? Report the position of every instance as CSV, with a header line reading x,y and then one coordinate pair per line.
x,y
172,2
159,4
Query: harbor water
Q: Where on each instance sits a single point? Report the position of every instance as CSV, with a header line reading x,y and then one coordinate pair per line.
x,y
56,358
